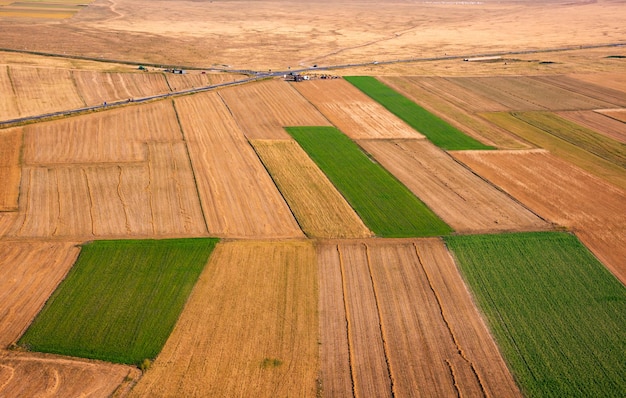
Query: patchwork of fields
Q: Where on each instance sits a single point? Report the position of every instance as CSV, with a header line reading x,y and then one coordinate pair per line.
x,y
347,231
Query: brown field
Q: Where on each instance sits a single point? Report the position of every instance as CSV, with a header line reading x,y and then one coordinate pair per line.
x,y
262,110
455,105
250,327
319,208
97,87
617,114
462,199
564,194
8,102
388,339
239,199
352,112
36,375
10,170
609,80
598,122
118,135
601,89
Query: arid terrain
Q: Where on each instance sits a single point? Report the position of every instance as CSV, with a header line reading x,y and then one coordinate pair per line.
x,y
299,298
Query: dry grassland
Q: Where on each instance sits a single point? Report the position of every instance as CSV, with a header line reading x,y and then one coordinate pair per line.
x,y
250,327
319,208
30,273
456,106
96,87
598,122
239,199
389,340
262,109
564,194
35,375
353,112
10,169
463,200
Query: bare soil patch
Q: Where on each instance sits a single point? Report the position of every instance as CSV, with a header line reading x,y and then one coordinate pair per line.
x,y
262,109
381,280
10,169
353,112
598,122
564,194
250,327
239,199
319,208
463,200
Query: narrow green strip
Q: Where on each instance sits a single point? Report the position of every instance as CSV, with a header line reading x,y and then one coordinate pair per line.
x,y
384,204
557,313
121,300
435,129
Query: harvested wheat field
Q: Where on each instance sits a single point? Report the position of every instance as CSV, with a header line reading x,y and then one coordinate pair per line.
x,y
462,199
31,271
8,100
369,290
605,87
36,375
117,135
262,109
10,170
319,208
239,199
456,106
250,327
351,111
614,80
598,122
97,87
564,194
195,79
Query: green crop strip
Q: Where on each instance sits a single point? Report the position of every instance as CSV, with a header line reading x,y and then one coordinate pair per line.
x,y
384,204
435,129
557,313
120,301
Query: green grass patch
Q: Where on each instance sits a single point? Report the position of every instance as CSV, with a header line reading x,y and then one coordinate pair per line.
x,y
120,301
435,129
557,313
384,204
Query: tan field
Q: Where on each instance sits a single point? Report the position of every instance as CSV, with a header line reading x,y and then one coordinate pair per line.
x,y
320,210
249,328
617,114
10,171
598,122
97,87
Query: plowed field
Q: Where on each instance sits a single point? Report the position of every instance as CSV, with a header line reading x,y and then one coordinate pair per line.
x,y
262,109
10,171
30,273
352,112
562,193
249,328
319,208
389,340
32,375
598,122
98,87
463,200
239,199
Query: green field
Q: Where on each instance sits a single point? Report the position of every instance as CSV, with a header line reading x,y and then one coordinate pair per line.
x,y
384,204
557,313
435,129
120,301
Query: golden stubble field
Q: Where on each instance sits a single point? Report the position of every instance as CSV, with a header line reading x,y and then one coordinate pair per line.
x,y
298,299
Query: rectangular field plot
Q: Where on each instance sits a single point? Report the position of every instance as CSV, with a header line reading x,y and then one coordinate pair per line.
x,y
8,99
353,112
557,313
608,80
320,210
30,273
435,129
262,109
396,319
598,122
250,327
239,198
564,194
463,200
607,91
121,299
98,87
386,206
10,169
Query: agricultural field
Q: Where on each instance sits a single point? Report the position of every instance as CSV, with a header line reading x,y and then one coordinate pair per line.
x,y
10,171
597,122
121,299
605,87
557,313
53,9
435,129
386,206
617,114
250,327
375,341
